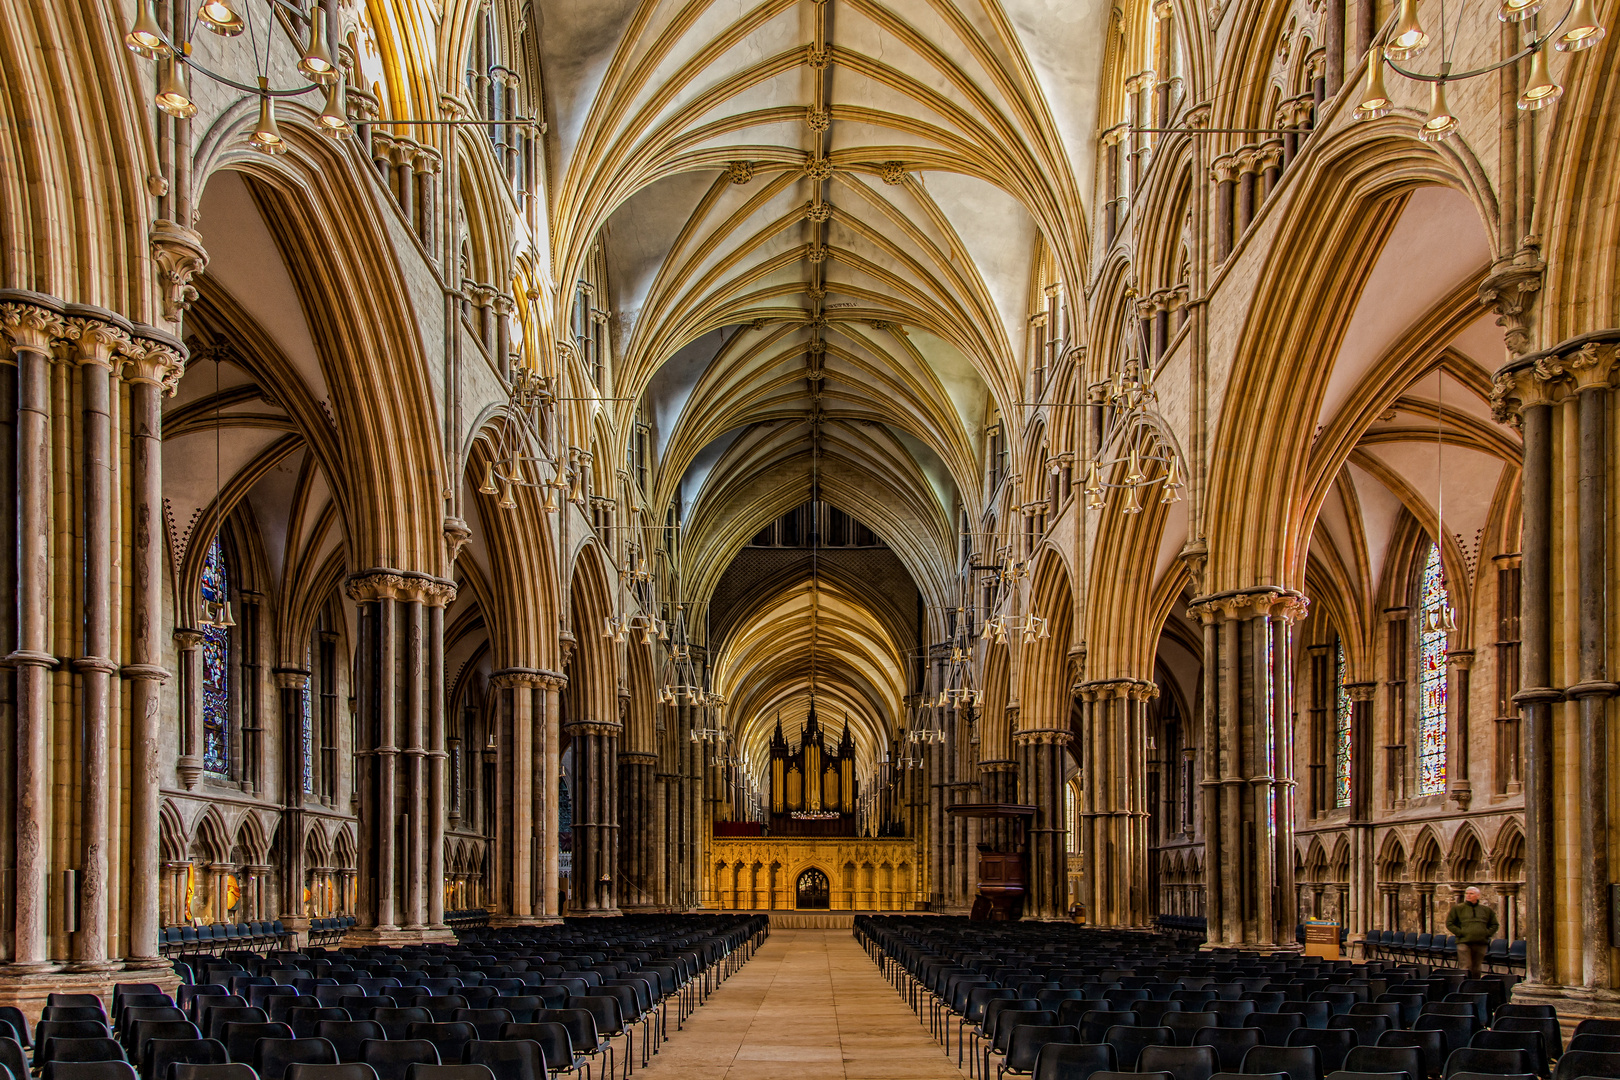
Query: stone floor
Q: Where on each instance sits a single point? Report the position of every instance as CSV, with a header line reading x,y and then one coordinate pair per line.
x,y
810,1005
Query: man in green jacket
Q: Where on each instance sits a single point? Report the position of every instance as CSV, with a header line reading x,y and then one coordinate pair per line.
x,y
1473,924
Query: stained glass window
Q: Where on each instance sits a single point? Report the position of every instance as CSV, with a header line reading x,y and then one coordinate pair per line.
x,y
1341,733
309,741
1431,721
216,667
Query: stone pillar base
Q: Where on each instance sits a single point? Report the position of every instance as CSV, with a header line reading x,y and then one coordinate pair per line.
x,y
371,935
29,991
1574,1003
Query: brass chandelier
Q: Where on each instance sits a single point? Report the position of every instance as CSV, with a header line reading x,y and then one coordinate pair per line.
x,y
1136,440
234,18
1578,29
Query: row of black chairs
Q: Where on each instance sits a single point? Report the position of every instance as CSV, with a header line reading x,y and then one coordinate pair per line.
x,y
248,935
1106,1000
520,1004
1407,945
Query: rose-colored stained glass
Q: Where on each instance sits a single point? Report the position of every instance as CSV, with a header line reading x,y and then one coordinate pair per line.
x,y
216,665
1432,683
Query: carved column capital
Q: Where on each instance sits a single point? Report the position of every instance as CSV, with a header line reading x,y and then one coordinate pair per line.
x,y
97,339
30,321
1509,290
180,256
155,362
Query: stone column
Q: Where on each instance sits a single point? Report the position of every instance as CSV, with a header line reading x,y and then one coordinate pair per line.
x,y
1041,759
1114,807
635,828
1461,662
1270,162
551,792
1538,695
1362,899
32,328
393,686
1223,171
1249,821
514,685
97,341
435,599
291,686
596,754
1248,163
151,367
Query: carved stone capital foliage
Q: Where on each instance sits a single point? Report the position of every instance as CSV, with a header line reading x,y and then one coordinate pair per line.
x,y
1043,737
1509,290
1224,169
1360,691
1250,603
589,727
156,363
291,678
636,757
512,678
98,341
383,584
180,256
1124,689
457,533
31,322
1583,363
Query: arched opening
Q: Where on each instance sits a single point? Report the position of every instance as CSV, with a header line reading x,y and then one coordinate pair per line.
x,y
813,892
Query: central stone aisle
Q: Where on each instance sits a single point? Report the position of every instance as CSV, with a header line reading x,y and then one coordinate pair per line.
x,y
810,1005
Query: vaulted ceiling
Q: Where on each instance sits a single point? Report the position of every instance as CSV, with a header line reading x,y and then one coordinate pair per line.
x,y
820,220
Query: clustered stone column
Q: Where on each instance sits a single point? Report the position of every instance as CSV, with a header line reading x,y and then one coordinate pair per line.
x,y
1248,765
1113,808
636,820
83,615
291,685
398,683
596,826
1040,752
1561,399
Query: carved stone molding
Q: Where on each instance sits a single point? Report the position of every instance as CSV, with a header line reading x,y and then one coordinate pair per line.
x,y
384,584
29,324
1043,737
180,256
1510,291
1248,604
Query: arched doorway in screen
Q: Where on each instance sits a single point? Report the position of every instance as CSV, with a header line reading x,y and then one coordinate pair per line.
x,y
813,891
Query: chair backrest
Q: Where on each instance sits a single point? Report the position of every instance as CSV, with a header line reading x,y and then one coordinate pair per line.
x,y
1334,1043
72,999
1390,1009
1094,1025
272,1056
1552,1036
183,1070
1456,1029
113,1069
1181,1062
554,1040
1528,1041
1432,1044
240,1038
512,1059
347,1035
64,1029
138,1034
1231,1012
1367,1028
581,1025
1480,1059
608,1015
1350,1074
447,1037
73,1012
1603,1044
395,1021
1386,1059
96,1048
14,1016
1129,1041
1298,1062
159,1054
1537,1011
1577,1063
353,1070
1275,1028
449,1072
1073,1061
1009,1020
1590,1026
303,1021
391,1058
1229,1044
1492,1076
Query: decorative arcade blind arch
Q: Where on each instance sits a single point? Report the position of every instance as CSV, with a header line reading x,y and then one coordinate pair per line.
x,y
1432,684
1341,731
216,665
